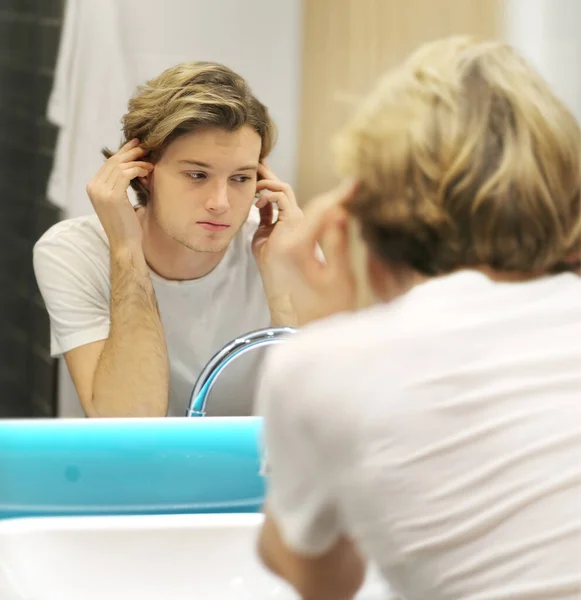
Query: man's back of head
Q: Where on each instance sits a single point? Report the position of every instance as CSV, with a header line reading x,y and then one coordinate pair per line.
x,y
465,158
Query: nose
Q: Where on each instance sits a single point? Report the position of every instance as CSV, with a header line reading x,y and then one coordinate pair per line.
x,y
217,201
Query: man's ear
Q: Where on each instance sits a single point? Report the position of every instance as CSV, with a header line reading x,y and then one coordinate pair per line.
x,y
142,185
145,181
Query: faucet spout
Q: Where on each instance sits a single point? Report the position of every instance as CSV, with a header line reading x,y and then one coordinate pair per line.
x,y
237,347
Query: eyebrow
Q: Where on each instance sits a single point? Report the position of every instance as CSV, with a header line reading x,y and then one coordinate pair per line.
x,y
199,163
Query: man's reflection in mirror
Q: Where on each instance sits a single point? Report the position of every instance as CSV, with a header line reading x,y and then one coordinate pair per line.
x,y
140,297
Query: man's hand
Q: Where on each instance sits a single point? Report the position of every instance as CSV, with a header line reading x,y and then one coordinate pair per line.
x,y
318,288
289,214
126,375
108,194
267,238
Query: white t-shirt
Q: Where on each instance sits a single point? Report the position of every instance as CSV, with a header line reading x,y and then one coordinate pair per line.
x,y
72,267
441,431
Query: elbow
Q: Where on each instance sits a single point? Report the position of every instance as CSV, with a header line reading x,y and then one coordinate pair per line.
x,y
329,589
336,576
265,556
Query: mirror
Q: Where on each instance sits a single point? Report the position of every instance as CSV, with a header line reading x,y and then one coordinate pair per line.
x,y
61,101
62,97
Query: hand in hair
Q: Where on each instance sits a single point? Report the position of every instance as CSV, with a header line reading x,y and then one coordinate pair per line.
x,y
318,288
108,194
274,191
126,375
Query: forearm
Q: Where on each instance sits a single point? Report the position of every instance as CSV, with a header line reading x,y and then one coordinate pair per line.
x,y
282,311
280,304
132,376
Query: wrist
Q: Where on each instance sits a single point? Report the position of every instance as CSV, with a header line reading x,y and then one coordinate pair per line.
x,y
129,255
282,311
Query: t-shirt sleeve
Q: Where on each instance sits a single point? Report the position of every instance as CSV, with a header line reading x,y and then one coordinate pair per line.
x,y
74,287
299,486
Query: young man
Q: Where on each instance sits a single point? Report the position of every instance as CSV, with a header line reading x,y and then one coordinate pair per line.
x,y
140,298
437,433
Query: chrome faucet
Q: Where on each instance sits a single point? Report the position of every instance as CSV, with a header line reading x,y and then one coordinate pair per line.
x,y
237,347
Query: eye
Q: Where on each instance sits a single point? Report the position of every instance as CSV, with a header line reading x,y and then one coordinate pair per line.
x,y
196,176
241,178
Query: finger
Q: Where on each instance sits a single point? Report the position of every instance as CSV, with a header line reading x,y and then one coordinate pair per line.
x,y
273,185
138,163
128,155
108,170
129,174
301,243
337,196
110,174
266,214
108,167
118,186
318,209
129,144
334,243
270,198
132,148
287,202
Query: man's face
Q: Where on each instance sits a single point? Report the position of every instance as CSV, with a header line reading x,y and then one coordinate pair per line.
x,y
203,187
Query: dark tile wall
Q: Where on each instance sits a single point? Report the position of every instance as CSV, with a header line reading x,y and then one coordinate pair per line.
x,y
29,35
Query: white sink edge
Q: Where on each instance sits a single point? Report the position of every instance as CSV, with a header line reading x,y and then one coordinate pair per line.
x,y
129,522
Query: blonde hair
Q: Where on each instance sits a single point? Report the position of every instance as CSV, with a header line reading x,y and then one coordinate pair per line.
x,y
465,158
189,97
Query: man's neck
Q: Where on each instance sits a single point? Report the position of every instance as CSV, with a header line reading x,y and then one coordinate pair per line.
x,y
170,259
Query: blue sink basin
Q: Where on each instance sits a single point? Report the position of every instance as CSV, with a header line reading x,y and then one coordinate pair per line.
x,y
130,466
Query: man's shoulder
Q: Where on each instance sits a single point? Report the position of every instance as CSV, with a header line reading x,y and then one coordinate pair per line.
x,y
79,244
348,328
79,232
332,342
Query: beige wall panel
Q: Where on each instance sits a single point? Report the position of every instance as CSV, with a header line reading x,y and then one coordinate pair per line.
x,y
347,44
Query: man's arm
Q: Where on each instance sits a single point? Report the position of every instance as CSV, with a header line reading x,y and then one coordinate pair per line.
x,y
303,539
128,374
306,260
282,311
335,574
275,192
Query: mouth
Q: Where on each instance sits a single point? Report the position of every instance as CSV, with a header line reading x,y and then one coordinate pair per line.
x,y
213,225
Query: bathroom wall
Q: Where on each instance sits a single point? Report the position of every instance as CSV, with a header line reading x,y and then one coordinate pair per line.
x,y
348,44
547,33
29,33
